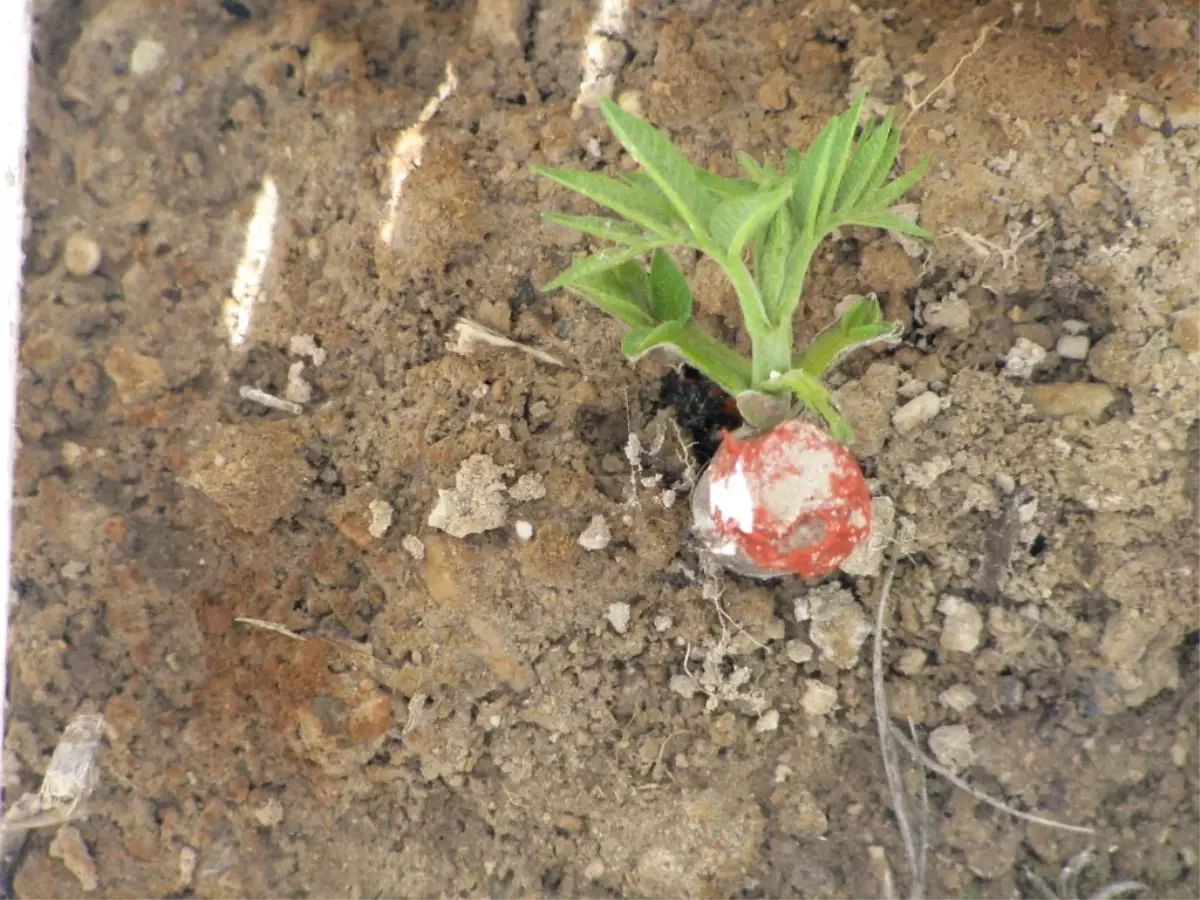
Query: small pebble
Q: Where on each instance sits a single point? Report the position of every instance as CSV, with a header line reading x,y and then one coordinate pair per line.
x,y
413,546
381,518
963,628
82,254
1024,357
618,617
193,164
951,746
819,698
768,721
911,661
1186,329
1073,346
958,698
799,652
597,535
147,56
1076,398
662,623
523,529
916,412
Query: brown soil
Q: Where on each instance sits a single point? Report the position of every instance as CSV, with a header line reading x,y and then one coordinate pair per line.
x,y
483,721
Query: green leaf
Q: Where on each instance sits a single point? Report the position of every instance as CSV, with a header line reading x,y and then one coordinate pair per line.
x,y
610,290
596,263
602,227
735,222
640,341
867,153
809,391
722,186
771,263
888,220
811,176
894,190
751,167
648,210
664,163
670,294
841,144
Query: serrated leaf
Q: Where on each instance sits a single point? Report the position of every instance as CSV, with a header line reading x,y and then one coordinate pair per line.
x,y
721,186
867,152
670,294
610,290
652,212
841,144
641,341
735,221
664,163
894,190
596,263
883,166
890,221
616,230
864,312
810,178
869,334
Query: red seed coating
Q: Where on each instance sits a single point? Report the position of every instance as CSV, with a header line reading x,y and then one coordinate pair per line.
x,y
792,499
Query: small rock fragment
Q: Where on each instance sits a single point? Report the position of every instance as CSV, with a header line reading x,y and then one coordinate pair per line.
x,y
147,57
413,546
951,746
768,721
916,412
477,502
597,535
911,661
618,617
305,345
68,846
819,698
798,651
963,628
381,518
838,627
1023,359
529,486
1078,398
82,255
297,390
187,866
958,697
953,314
1073,346
773,92
523,529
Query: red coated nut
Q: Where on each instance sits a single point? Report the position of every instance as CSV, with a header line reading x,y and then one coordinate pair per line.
x,y
790,500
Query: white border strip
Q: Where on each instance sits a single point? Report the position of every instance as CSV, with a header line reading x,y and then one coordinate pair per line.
x,y
16,29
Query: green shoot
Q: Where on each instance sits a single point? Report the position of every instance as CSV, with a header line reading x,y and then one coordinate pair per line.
x,y
762,230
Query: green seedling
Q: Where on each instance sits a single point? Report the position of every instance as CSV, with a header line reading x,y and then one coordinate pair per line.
x,y
762,230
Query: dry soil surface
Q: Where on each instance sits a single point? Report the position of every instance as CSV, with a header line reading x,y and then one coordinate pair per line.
x,y
511,713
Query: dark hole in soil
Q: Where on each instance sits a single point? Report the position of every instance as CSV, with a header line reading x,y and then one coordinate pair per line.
x,y
1038,547
701,409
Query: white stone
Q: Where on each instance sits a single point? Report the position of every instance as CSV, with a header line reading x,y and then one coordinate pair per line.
x,y
951,746
523,529
1073,346
911,661
963,627
82,254
916,412
381,518
147,57
839,627
867,559
819,699
799,652
1023,359
953,314
959,698
413,546
768,721
597,535
618,617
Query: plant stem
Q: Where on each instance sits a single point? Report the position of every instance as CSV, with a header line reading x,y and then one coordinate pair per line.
x,y
772,350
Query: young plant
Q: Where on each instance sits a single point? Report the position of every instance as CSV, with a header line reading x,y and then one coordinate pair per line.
x,y
762,230
786,498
